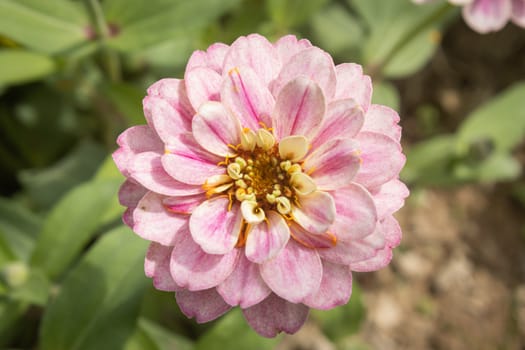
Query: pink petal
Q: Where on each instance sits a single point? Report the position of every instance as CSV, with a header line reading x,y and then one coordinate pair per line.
x,y
311,240
130,193
335,289
344,119
352,83
203,305
203,85
293,274
214,129
132,141
352,251
247,97
311,63
127,217
390,197
334,164
214,227
487,15
189,163
174,92
256,52
194,269
183,205
213,58
155,223
518,12
391,230
274,315
382,159
168,123
147,170
245,286
356,213
316,212
299,109
381,259
383,120
288,45
267,239
157,266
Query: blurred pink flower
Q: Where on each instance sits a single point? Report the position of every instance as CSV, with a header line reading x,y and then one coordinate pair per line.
x,y
486,16
262,180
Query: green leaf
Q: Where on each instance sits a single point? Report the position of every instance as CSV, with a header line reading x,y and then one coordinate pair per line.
x,y
343,320
71,224
144,23
290,13
19,228
404,38
99,301
336,29
10,313
46,186
45,26
385,93
128,101
232,332
500,121
150,336
35,289
430,162
497,167
19,66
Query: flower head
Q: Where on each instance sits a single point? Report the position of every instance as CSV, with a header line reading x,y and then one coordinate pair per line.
x,y
486,16
263,179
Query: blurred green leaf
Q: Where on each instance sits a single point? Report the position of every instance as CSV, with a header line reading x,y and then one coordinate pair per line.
x,y
35,290
430,162
336,29
19,228
343,320
46,186
232,332
167,55
403,36
98,304
71,224
150,335
500,121
19,66
140,24
127,100
497,167
10,313
45,26
287,14
385,93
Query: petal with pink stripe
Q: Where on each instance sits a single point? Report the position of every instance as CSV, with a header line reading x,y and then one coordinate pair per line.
x,y
316,212
203,85
247,97
245,286
215,227
274,315
203,305
194,269
267,239
294,273
352,83
215,128
157,266
335,289
299,109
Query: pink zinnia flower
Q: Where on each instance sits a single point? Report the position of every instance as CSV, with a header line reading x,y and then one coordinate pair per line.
x,y
486,16
263,179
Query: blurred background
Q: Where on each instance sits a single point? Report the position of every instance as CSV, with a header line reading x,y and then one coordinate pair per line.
x,y
72,77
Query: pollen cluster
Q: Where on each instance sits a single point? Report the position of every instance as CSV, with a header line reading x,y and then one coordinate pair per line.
x,y
263,175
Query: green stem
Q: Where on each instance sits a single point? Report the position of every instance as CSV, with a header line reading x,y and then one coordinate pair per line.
x,y
434,17
111,58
